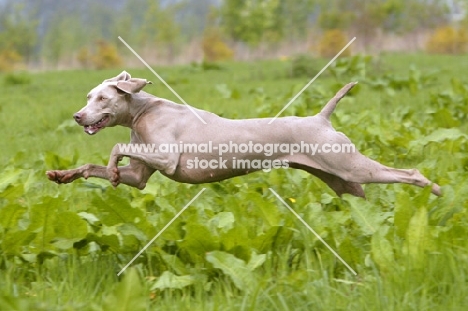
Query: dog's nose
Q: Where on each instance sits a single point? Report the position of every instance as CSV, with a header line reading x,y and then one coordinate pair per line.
x,y
77,117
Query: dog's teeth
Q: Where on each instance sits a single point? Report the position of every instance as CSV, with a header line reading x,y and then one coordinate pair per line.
x,y
99,122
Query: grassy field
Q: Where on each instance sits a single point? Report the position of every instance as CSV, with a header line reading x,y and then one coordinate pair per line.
x,y
237,247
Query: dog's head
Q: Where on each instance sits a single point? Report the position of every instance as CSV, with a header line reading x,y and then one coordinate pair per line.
x,y
108,103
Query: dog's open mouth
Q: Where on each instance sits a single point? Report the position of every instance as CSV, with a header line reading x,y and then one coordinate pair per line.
x,y
96,127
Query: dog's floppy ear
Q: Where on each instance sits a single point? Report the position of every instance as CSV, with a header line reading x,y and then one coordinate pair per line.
x,y
123,76
133,85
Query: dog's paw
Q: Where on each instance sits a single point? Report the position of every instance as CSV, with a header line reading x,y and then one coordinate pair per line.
x,y
436,190
61,177
114,176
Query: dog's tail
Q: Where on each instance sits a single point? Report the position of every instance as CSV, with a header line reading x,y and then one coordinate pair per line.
x,y
331,105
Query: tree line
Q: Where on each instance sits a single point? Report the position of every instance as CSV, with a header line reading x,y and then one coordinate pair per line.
x,y
49,31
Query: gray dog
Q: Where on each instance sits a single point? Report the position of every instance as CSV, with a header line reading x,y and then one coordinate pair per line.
x,y
159,122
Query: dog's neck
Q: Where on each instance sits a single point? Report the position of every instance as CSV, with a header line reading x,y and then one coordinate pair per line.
x,y
138,105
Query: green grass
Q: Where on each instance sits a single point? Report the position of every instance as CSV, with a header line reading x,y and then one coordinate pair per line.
x,y
408,247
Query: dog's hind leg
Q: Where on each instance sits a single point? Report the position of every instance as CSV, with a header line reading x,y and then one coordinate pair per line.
x,y
365,171
337,184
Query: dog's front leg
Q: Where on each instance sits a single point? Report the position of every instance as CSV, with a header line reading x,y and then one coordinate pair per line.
x,y
68,176
136,174
164,162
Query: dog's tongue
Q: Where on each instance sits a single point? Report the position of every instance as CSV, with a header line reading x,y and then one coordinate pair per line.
x,y
90,129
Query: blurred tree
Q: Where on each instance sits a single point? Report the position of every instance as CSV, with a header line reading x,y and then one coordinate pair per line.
x,y
106,56
297,16
63,38
448,40
18,34
213,44
423,14
332,41
127,21
54,30
370,17
159,27
84,57
192,17
253,21
334,19
365,18
100,21
9,59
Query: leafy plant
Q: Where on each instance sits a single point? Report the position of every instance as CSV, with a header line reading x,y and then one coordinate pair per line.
x,y
236,247
226,92
17,79
303,66
239,272
354,67
414,81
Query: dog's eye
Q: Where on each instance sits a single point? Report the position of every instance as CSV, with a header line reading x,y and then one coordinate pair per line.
x,y
101,98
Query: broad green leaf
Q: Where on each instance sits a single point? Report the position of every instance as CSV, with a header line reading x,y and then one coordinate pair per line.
x,y
417,236
131,237
116,210
13,242
273,236
255,261
55,161
13,192
165,205
326,198
129,294
33,180
132,230
458,87
366,215
270,212
382,250
168,280
107,237
444,118
198,241
43,218
422,197
349,252
90,218
449,204
69,228
173,262
235,268
9,177
223,221
403,213
10,216
440,135
237,236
